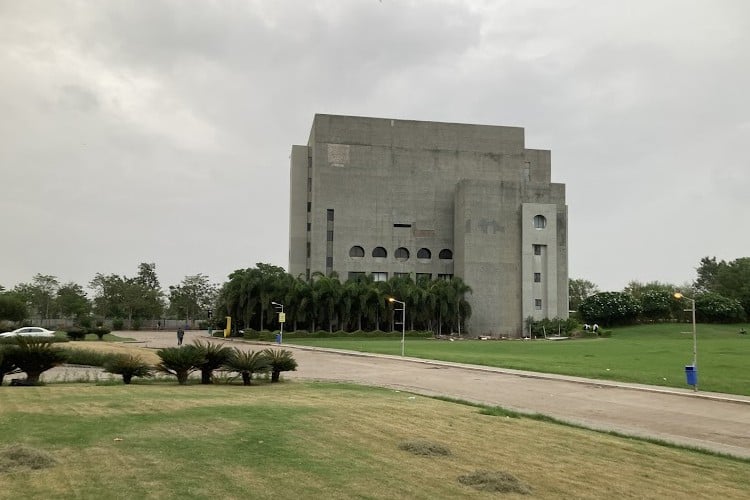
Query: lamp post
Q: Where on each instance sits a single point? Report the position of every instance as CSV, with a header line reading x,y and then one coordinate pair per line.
x,y
282,320
403,321
679,296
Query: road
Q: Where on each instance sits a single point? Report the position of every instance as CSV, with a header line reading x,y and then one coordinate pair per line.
x,y
717,422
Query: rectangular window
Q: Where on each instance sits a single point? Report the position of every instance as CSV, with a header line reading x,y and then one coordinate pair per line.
x,y
424,276
329,262
309,227
537,277
380,276
538,304
401,275
329,214
402,225
308,249
329,235
446,277
309,184
355,275
309,206
537,249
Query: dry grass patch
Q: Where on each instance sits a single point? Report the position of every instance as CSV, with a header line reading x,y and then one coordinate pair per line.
x,y
425,448
308,440
18,457
495,482
147,355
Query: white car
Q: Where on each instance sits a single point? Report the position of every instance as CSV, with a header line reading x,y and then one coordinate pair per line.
x,y
29,331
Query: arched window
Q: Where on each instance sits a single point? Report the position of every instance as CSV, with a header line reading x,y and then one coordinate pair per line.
x,y
379,252
424,253
540,222
401,254
356,251
445,254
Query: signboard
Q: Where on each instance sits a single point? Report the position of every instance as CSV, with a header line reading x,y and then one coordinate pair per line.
x,y
282,317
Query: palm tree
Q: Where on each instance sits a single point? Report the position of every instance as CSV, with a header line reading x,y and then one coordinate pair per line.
x,y
247,363
214,356
35,356
127,365
280,360
180,361
327,292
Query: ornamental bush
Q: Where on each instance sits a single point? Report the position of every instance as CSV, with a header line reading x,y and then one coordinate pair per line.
x,y
714,308
610,308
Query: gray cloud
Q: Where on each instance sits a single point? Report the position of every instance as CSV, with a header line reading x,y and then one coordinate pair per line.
x,y
160,131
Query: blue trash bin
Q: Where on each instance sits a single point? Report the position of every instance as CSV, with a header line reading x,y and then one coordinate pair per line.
x,y
278,338
691,374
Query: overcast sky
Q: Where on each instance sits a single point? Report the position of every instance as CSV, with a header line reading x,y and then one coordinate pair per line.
x,y
160,131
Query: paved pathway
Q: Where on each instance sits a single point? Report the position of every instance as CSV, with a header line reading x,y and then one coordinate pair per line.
x,y
717,422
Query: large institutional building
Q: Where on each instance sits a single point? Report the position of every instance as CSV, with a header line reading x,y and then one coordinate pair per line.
x,y
400,197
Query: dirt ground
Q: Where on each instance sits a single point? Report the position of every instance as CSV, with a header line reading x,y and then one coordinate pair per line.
x,y
713,421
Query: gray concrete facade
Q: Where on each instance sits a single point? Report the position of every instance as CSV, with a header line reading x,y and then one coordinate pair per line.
x,y
382,196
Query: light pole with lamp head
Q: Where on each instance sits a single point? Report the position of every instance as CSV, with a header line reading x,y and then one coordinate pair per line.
x,y
282,320
679,296
403,321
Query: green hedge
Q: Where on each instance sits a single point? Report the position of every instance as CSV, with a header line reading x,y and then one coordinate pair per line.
x,y
324,334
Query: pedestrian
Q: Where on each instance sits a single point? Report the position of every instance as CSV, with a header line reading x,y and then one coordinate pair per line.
x,y
180,335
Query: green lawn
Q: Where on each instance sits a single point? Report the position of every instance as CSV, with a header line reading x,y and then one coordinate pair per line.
x,y
313,440
647,354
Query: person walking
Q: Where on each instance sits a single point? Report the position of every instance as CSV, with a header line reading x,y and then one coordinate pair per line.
x,y
180,335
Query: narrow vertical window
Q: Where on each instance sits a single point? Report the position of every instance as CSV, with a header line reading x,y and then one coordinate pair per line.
x,y
537,277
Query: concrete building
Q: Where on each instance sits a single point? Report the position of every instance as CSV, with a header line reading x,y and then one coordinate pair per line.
x,y
381,196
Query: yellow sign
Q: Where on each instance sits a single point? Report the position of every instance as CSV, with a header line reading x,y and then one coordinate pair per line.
x,y
228,329
282,317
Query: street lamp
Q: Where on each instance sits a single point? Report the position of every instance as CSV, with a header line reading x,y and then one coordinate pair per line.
x,y
282,319
679,296
403,320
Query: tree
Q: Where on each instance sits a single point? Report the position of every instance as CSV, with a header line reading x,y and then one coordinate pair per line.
x,y
35,356
578,290
12,307
179,361
214,356
192,297
729,279
127,365
72,302
280,360
247,363
40,295
610,308
132,298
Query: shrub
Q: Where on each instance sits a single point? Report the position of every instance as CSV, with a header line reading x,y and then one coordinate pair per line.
x,y
247,363
76,333
7,365
87,357
118,324
35,356
135,324
610,308
180,361
127,365
714,308
280,360
214,356
100,332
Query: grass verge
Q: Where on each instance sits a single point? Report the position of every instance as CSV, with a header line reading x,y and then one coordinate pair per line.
x,y
322,440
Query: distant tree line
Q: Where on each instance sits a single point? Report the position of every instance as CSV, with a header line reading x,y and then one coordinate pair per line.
x,y
321,302
721,292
